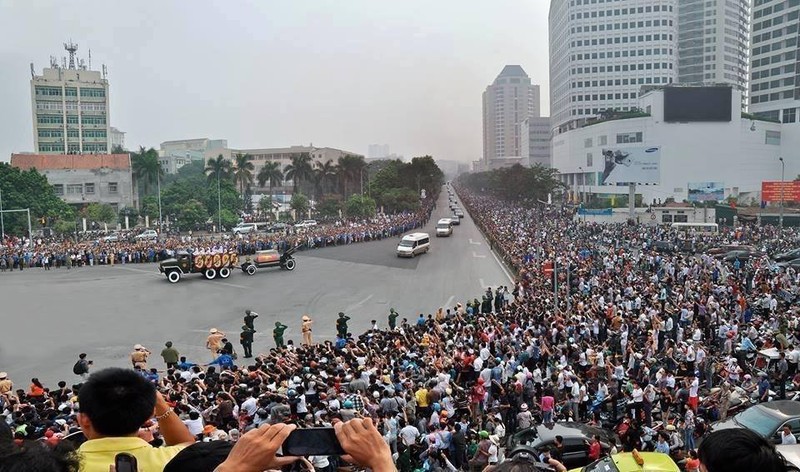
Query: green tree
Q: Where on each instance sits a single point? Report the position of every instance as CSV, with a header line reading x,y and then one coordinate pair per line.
x,y
117,149
146,169
271,173
516,182
299,204
99,213
243,171
218,168
188,171
360,206
299,170
327,172
329,206
132,215
29,189
265,207
229,218
149,206
192,213
348,171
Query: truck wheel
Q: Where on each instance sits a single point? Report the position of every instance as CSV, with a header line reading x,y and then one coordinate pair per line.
x,y
210,273
174,276
224,272
251,269
290,264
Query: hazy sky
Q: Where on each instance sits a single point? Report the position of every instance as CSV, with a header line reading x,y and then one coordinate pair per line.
x,y
343,73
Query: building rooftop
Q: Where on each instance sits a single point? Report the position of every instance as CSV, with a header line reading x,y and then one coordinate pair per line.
x,y
513,71
71,161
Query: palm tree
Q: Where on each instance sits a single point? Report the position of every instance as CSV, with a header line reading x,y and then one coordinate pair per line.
x,y
218,167
243,170
146,168
349,168
327,172
272,173
299,170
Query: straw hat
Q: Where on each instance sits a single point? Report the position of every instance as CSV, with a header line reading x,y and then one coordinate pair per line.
x,y
306,318
213,330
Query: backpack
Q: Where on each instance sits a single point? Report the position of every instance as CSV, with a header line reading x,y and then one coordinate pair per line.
x,y
79,368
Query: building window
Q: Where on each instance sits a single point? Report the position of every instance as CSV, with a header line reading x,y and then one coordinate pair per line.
x,y
58,189
588,159
74,189
681,219
789,115
89,189
587,143
603,140
624,138
112,187
666,218
772,137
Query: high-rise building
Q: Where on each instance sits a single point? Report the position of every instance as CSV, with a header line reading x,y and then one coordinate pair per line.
x,y
378,151
713,42
506,103
70,107
774,72
536,135
602,52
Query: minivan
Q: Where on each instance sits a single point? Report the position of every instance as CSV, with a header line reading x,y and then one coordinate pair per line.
x,y
245,228
413,244
444,227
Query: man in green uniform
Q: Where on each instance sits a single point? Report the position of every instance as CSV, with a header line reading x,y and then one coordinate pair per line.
x,y
392,318
341,325
277,333
246,339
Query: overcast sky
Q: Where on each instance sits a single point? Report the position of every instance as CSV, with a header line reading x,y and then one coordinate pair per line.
x,y
339,73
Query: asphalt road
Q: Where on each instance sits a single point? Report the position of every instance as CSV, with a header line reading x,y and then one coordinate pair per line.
x,y
47,318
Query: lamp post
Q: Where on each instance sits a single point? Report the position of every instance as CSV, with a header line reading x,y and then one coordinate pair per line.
x,y
783,168
219,205
2,221
158,185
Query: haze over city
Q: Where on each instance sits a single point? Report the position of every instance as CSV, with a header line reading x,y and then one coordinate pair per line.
x,y
262,74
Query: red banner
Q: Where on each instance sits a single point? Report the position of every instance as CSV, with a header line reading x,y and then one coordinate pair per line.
x,y
771,191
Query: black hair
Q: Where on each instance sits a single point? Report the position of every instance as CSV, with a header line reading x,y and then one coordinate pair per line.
x,y
36,455
117,401
739,450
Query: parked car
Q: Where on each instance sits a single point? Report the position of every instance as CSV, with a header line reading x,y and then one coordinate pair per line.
x,y
627,462
663,247
459,213
794,264
279,226
245,228
147,234
306,224
576,441
455,220
766,419
787,256
742,254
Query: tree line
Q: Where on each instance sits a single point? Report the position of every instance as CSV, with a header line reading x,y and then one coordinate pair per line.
x,y
515,182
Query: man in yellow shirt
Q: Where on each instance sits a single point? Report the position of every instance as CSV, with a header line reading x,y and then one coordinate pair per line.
x,y
114,404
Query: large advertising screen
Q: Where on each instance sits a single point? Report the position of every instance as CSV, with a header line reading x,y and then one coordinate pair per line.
x,y
687,104
706,191
638,165
771,191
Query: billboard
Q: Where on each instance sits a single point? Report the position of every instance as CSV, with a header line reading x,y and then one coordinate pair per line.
x,y
637,165
706,191
771,191
687,104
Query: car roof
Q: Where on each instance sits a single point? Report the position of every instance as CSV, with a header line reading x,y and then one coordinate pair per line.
x,y
653,462
415,236
568,429
783,407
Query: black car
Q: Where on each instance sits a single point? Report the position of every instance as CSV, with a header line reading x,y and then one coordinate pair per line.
x,y
277,227
766,419
576,441
742,254
663,247
787,256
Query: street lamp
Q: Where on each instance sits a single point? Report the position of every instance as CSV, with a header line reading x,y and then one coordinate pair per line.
x,y
580,185
219,205
160,219
783,168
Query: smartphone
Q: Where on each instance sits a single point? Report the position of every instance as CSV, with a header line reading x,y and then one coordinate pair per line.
x,y
125,462
312,442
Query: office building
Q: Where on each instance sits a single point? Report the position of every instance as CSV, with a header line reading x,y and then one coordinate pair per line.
x,y
535,133
713,43
378,151
507,102
70,107
774,80
175,154
83,179
602,53
116,138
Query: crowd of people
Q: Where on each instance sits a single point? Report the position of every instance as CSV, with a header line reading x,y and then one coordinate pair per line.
x,y
618,335
66,253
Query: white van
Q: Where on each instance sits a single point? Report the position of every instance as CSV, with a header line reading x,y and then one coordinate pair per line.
x,y
413,244
245,228
444,227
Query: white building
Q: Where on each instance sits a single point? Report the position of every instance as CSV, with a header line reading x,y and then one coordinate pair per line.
x,y
116,137
740,153
535,133
507,102
774,92
378,151
175,154
70,108
603,52
713,43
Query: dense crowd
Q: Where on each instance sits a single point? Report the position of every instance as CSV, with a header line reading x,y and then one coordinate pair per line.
x,y
20,254
625,338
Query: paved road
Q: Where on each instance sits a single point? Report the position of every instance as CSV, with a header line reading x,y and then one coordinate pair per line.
x,y
46,318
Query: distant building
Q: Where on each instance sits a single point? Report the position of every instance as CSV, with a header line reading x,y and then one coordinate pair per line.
x,y
378,151
507,102
116,138
83,179
70,108
175,154
536,133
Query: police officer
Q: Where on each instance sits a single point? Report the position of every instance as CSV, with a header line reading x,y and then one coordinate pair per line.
x,y
392,318
249,317
246,339
341,325
277,333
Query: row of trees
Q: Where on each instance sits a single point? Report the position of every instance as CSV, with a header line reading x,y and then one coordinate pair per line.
x,y
516,182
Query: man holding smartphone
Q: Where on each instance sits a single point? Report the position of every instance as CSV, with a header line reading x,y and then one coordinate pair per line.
x,y
114,404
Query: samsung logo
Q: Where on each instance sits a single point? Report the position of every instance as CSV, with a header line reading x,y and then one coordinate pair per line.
x,y
655,149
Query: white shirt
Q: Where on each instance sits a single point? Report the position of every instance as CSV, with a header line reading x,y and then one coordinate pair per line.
x,y
788,438
693,387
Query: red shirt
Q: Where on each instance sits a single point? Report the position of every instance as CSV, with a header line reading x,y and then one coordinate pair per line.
x,y
594,451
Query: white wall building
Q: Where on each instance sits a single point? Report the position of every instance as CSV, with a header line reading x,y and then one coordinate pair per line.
x,y
507,102
116,137
602,52
775,84
535,133
175,154
377,151
740,153
713,43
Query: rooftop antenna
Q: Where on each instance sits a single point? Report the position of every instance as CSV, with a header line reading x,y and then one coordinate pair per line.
x,y
54,62
72,48
63,62
82,64
90,59
33,73
105,71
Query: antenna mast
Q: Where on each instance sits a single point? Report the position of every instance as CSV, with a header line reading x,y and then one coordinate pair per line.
x,y
72,48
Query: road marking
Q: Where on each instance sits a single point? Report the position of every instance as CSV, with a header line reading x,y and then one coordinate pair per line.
x,y
156,273
476,243
479,256
449,301
352,307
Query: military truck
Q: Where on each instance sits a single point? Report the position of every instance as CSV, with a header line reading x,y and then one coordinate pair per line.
x,y
210,265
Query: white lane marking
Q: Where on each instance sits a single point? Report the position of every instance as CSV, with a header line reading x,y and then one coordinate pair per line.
x,y
476,243
478,256
352,307
449,301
